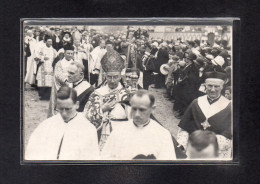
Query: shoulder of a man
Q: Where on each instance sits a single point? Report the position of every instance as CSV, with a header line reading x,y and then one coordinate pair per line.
x,y
59,63
47,123
86,84
85,123
123,129
101,89
195,101
159,128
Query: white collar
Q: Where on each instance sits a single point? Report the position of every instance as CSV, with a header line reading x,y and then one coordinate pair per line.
x,y
143,125
210,110
79,81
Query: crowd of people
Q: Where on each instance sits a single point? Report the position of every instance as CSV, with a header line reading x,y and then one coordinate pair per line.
x,y
100,105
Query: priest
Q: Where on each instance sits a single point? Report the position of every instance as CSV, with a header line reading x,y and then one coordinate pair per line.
x,y
209,112
67,135
76,81
44,76
94,62
141,137
106,107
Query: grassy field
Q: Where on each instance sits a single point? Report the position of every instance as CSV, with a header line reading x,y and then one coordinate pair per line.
x,y
35,111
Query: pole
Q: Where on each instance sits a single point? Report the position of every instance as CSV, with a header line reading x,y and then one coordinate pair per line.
x,y
88,54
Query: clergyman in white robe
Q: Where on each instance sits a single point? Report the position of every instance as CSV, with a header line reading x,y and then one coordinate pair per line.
x,y
54,139
130,141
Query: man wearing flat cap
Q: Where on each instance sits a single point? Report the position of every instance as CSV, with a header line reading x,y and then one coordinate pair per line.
x,y
106,108
209,112
57,38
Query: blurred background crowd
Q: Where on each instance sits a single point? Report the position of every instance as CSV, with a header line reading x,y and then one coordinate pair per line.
x,y
170,57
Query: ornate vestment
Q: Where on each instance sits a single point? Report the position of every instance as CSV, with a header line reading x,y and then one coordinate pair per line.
x,y
107,121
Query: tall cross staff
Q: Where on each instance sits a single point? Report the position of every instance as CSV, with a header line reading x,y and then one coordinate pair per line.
x,y
88,49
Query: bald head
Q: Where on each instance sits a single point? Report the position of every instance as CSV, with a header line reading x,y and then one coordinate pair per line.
x,y
75,72
79,66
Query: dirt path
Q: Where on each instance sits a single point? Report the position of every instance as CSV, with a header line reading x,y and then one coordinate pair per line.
x,y
163,112
35,111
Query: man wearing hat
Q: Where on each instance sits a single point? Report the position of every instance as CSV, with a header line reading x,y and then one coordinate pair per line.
x,y
209,112
95,41
105,108
188,84
60,76
66,39
162,58
149,62
216,63
190,57
57,38
173,66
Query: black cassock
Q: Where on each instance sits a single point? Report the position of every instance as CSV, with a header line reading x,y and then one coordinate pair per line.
x,y
220,123
84,90
188,89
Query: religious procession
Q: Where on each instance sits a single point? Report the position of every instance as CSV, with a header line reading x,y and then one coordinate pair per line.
x,y
106,92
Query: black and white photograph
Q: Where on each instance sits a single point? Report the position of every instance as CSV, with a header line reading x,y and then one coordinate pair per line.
x,y
124,92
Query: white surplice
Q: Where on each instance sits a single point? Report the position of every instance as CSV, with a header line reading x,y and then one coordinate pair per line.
x,y
95,57
61,72
128,141
45,71
75,140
